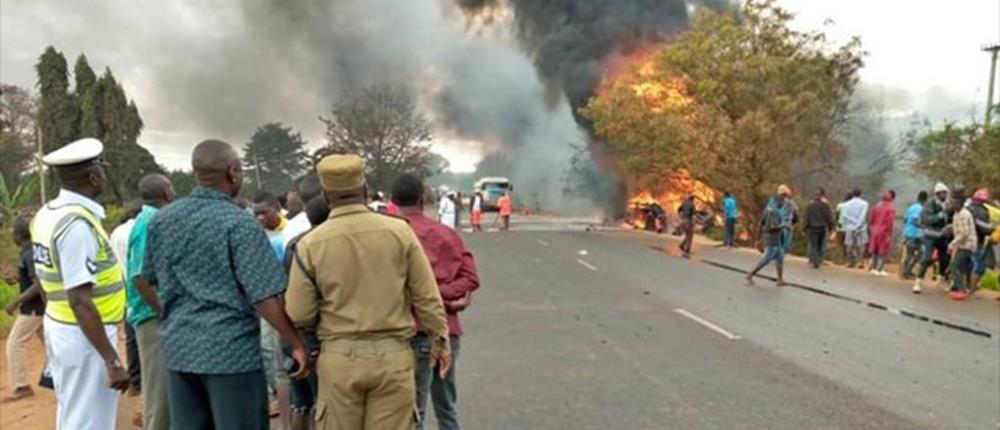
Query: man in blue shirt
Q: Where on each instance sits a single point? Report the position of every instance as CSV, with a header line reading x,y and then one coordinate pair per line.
x,y
913,237
215,273
731,212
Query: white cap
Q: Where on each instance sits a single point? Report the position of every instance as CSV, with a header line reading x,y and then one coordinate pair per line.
x,y
75,153
940,188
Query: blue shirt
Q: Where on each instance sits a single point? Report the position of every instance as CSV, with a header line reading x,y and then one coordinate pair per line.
x,y
211,262
729,207
911,226
138,310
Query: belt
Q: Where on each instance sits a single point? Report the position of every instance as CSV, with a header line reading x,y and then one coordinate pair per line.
x,y
365,347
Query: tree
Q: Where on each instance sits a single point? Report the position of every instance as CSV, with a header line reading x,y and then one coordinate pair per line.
x,y
58,114
183,181
383,126
740,100
278,153
961,156
18,108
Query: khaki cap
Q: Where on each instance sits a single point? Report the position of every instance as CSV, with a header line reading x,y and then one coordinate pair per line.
x,y
341,172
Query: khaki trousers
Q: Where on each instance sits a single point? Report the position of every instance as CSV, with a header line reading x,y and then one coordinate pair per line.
x,y
25,326
366,385
156,413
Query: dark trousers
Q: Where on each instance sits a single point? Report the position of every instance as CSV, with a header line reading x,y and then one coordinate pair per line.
x,y
218,402
304,392
132,358
914,253
687,227
817,245
442,391
729,234
961,270
941,245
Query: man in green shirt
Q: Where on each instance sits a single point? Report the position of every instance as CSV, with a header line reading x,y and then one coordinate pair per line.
x,y
144,307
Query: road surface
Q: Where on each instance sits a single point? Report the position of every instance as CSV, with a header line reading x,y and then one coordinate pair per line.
x,y
583,329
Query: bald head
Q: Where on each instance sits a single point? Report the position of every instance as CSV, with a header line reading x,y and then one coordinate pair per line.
x,y
156,189
217,165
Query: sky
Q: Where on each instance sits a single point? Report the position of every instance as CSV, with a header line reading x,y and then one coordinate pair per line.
x,y
924,56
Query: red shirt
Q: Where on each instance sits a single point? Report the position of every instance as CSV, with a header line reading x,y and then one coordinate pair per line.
x,y
505,205
453,264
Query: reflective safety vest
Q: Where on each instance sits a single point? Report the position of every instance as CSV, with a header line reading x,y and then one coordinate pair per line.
x,y
108,293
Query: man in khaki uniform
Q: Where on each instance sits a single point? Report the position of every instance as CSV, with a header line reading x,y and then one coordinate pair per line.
x,y
358,278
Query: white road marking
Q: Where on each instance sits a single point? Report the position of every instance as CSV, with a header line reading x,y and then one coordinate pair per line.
x,y
542,242
586,264
707,323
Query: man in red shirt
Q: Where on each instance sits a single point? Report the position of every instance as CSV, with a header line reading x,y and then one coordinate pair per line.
x,y
455,272
506,206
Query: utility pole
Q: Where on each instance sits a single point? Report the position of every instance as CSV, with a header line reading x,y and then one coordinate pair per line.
x,y
992,49
256,171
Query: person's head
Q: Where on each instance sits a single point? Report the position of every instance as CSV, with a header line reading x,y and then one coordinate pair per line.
x,y
267,210
317,211
309,187
783,190
377,196
217,165
856,192
408,191
889,196
958,199
343,180
21,232
294,204
981,195
892,194
941,191
820,193
156,190
78,166
922,197
727,194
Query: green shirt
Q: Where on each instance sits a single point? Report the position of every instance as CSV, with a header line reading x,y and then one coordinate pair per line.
x,y
138,310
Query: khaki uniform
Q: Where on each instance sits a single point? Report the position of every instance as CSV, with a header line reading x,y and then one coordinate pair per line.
x,y
359,278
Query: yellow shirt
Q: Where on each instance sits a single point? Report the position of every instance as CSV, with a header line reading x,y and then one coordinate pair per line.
x,y
371,276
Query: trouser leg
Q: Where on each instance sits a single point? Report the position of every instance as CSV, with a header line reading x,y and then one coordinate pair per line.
x,y
83,398
445,393
132,358
156,409
24,328
188,400
390,404
423,375
239,401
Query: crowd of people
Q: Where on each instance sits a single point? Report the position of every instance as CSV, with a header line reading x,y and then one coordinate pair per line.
x,y
952,232
341,313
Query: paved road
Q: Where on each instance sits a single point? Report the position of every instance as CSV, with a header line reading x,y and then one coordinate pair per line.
x,y
560,340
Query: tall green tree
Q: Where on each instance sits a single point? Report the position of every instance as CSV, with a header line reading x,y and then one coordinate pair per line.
x,y
18,108
58,114
276,154
961,156
740,100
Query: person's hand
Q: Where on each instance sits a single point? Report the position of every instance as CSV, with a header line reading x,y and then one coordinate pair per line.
x,y
117,376
301,356
461,304
442,358
10,308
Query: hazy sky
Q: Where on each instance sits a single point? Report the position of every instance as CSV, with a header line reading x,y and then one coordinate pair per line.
x,y
925,54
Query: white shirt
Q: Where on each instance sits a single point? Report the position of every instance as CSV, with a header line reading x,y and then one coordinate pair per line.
x,y
853,213
297,225
77,245
119,241
446,212
477,204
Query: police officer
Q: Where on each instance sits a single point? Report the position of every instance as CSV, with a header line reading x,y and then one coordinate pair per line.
x,y
85,291
359,278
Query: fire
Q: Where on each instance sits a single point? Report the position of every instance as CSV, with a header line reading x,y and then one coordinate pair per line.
x,y
667,197
638,73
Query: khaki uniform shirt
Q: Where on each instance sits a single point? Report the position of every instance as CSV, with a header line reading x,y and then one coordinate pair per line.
x,y
371,277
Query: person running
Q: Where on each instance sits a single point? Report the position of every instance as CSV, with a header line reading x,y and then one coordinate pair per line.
x,y
880,226
144,306
962,247
913,238
477,211
359,279
30,307
84,288
772,229
506,205
215,273
935,219
819,224
730,212
455,271
687,211
854,214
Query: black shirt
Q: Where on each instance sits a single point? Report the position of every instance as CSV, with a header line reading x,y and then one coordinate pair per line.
x,y
26,274
819,215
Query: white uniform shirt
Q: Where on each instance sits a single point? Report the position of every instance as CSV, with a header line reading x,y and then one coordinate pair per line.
x,y
854,213
446,212
477,204
119,240
77,246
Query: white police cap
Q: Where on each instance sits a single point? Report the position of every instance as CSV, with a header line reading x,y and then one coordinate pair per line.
x,y
77,152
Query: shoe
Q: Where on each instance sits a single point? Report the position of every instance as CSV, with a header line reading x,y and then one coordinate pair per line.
x,y
18,394
958,295
873,272
883,273
916,288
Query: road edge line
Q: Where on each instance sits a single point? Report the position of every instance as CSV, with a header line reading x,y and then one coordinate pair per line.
x,y
710,325
586,264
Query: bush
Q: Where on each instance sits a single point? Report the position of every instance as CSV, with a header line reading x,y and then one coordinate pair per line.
x,y
990,281
7,293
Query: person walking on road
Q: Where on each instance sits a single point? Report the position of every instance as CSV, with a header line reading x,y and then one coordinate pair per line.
x,y
359,279
819,224
687,211
789,210
215,272
85,292
962,247
936,217
144,306
506,205
455,272
913,238
880,226
773,226
30,308
476,212
730,212
854,215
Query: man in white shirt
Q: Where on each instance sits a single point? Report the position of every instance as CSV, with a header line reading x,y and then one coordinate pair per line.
x,y
308,189
854,220
119,242
446,210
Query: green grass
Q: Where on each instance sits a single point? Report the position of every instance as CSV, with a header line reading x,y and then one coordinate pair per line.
x,y
990,281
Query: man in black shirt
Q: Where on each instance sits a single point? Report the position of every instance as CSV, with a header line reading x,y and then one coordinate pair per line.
x,y
29,321
819,224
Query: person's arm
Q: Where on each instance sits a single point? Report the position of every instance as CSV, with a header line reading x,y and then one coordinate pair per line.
x,y
33,291
148,293
427,304
301,297
465,281
272,309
